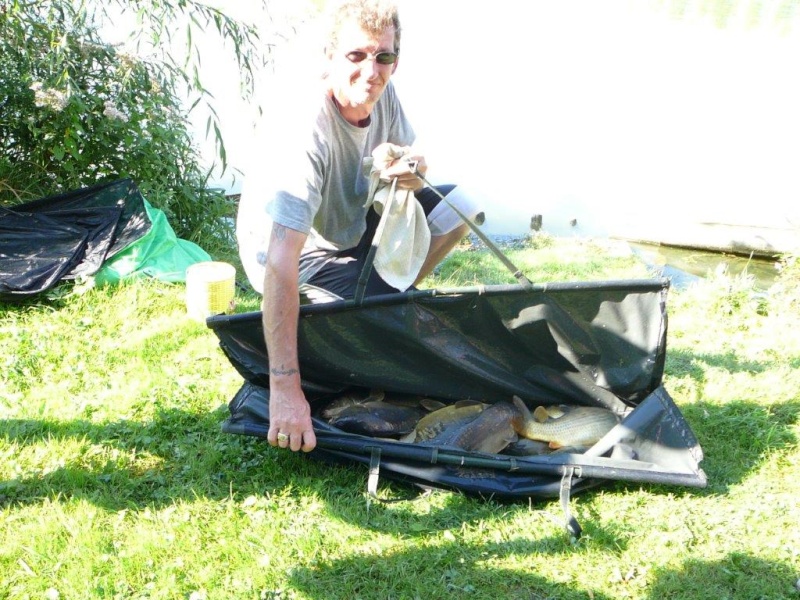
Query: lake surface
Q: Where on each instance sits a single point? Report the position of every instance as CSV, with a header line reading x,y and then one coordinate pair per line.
x,y
684,266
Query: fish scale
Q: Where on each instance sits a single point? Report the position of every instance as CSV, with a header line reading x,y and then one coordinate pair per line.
x,y
435,423
490,431
579,426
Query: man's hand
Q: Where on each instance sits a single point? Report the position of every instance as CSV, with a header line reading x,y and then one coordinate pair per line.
x,y
290,420
402,163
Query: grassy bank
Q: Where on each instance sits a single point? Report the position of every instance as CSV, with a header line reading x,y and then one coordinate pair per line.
x,y
115,481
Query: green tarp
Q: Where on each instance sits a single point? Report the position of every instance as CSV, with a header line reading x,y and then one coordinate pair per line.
x,y
159,254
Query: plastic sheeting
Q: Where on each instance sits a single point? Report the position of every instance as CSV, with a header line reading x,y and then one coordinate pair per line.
x,y
589,343
66,236
108,231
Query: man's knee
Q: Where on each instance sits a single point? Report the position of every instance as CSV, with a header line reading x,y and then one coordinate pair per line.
x,y
443,219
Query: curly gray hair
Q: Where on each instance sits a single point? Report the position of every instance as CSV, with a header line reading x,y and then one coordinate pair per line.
x,y
373,16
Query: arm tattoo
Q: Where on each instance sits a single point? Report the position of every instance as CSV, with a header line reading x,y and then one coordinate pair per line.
x,y
279,231
282,371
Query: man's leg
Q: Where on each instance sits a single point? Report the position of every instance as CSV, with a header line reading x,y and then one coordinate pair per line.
x,y
440,247
447,228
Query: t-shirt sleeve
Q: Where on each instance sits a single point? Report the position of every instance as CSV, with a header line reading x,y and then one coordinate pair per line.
x,y
296,195
401,131
293,170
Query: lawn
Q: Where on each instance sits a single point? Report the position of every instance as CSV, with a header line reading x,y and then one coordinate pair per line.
x,y
116,481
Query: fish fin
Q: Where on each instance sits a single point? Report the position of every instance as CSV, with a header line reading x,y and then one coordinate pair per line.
x,y
523,408
541,414
375,395
467,402
554,412
409,438
554,445
431,405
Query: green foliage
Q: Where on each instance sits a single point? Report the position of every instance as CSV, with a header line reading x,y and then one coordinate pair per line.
x,y
75,111
786,293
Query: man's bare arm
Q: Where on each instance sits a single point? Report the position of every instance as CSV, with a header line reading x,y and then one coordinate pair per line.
x,y
290,414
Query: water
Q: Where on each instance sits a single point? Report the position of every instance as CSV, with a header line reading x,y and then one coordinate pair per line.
x,y
684,266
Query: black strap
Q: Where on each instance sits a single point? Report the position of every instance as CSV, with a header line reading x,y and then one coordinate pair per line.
x,y
571,524
374,474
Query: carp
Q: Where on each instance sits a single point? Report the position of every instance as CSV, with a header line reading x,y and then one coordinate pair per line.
x,y
378,414
526,447
491,430
342,403
579,426
437,421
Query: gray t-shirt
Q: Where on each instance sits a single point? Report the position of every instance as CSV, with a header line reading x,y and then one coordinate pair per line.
x,y
312,180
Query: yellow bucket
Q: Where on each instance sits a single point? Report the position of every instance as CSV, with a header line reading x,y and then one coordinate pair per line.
x,y
209,289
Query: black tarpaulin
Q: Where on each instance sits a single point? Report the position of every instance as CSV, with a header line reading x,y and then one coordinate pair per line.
x,y
589,343
67,235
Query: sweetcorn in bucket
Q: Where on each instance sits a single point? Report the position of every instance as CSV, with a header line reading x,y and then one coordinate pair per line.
x,y
209,289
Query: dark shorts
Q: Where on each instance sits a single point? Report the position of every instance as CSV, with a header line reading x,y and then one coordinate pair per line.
x,y
341,270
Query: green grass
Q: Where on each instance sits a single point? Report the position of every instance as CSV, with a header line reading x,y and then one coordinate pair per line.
x,y
116,482
542,259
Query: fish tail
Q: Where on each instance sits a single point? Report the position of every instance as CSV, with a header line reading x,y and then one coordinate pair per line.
x,y
523,416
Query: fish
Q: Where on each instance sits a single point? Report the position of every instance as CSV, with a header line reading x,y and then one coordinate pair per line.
x,y
491,430
378,418
470,424
437,421
337,405
579,426
378,414
526,447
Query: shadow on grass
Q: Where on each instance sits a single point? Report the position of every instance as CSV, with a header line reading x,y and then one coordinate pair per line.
x,y
694,365
735,576
128,464
180,455
449,570
740,436
461,570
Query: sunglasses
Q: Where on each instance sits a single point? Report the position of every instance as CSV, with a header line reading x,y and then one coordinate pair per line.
x,y
382,58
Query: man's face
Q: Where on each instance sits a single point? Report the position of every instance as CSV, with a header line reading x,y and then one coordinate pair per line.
x,y
360,84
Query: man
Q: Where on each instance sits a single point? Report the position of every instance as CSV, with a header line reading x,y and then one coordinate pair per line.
x,y
315,194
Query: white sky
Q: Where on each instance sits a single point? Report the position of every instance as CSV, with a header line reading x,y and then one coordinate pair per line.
x,y
589,110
